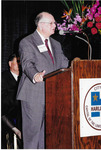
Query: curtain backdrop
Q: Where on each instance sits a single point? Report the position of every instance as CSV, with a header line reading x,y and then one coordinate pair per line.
x,y
18,21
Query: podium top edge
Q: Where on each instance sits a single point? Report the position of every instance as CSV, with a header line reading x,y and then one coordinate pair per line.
x,y
78,60
56,72
85,60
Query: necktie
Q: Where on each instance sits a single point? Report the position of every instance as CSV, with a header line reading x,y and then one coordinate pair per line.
x,y
46,43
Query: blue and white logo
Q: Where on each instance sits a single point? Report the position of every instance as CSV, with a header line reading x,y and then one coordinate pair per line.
x,y
95,104
92,106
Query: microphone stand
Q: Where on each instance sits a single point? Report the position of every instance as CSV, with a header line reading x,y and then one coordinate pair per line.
x,y
89,45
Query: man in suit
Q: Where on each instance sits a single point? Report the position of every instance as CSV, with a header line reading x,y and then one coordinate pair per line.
x,y
38,57
11,115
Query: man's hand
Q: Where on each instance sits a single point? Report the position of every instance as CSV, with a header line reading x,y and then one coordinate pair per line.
x,y
17,132
39,76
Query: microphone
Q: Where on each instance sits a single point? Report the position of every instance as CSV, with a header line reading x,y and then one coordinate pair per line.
x,y
89,45
62,32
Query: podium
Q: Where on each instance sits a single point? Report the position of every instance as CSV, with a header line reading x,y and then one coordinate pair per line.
x,y
62,113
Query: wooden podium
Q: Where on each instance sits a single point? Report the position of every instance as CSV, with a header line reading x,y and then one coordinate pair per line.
x,y
62,128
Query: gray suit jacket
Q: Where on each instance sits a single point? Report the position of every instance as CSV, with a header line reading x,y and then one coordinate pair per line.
x,y
33,61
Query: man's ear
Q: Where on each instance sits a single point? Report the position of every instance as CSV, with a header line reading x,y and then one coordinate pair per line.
x,y
40,26
9,63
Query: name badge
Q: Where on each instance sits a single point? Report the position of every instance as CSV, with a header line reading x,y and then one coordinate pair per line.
x,y
42,48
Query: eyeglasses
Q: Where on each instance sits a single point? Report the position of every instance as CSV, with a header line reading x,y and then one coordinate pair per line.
x,y
51,23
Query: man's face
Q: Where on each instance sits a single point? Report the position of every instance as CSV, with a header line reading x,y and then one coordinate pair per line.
x,y
14,65
48,25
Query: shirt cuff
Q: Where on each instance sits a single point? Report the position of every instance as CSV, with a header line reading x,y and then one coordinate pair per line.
x,y
34,78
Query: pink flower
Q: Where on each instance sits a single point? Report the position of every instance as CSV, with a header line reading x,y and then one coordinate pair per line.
x,y
75,28
63,24
88,10
97,2
96,15
94,31
59,28
75,21
93,10
95,5
90,16
64,20
78,18
70,25
67,17
99,10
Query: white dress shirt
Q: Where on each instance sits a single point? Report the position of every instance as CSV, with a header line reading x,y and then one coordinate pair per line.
x,y
43,39
14,75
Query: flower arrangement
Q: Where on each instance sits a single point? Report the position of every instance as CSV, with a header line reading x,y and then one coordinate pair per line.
x,y
81,17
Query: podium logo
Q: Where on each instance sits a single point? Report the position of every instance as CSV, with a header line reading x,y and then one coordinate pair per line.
x,y
92,106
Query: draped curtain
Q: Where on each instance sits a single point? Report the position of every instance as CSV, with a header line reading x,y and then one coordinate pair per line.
x,y
18,21
14,25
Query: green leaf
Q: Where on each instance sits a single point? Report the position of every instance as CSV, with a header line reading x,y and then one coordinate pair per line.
x,y
76,6
82,2
79,7
74,9
65,3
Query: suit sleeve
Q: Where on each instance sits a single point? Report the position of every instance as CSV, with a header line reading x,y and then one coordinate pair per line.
x,y
27,57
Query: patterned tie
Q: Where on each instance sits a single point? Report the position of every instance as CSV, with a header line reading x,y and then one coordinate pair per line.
x,y
46,43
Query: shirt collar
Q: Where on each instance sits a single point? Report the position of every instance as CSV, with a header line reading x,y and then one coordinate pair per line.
x,y
42,37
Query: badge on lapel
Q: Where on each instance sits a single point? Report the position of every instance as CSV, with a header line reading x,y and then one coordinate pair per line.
x,y
42,48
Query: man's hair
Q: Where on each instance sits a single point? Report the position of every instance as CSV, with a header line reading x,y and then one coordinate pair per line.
x,y
11,57
39,17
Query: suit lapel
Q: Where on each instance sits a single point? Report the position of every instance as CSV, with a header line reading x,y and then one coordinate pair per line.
x,y
38,41
12,78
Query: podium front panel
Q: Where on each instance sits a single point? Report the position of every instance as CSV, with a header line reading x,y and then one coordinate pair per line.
x,y
58,111
83,69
